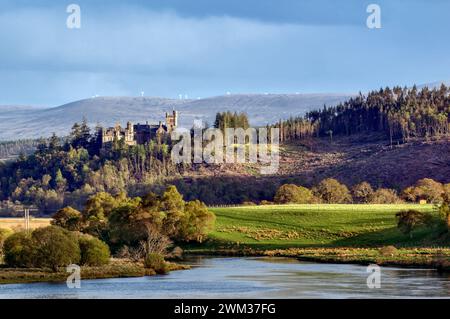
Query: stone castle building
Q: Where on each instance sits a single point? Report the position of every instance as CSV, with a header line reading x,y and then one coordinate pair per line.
x,y
139,133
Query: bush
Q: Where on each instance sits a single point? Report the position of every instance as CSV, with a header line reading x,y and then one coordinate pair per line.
x,y
362,192
388,251
176,253
446,194
332,192
54,247
444,212
4,233
248,203
156,262
385,196
196,222
293,194
425,189
68,218
265,202
408,220
93,251
18,250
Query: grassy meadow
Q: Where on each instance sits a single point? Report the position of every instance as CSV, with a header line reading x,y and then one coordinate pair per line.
x,y
17,224
318,225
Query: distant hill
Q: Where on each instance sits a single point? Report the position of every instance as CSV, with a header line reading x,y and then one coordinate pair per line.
x,y
434,85
18,122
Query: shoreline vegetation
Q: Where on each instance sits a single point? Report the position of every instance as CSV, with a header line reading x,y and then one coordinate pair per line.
x,y
117,268
432,258
324,233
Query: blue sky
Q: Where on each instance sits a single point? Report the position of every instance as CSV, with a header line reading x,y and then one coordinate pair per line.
x,y
204,48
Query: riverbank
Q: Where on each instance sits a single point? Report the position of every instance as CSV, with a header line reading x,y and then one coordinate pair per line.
x,y
435,258
117,268
356,233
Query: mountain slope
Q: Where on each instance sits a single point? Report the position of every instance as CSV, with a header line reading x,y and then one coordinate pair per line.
x,y
24,122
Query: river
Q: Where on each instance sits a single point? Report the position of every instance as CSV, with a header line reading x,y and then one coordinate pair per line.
x,y
222,277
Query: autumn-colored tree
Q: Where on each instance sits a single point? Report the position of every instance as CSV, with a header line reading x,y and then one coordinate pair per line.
x,y
172,205
425,189
362,192
68,218
409,220
196,222
293,194
385,196
331,191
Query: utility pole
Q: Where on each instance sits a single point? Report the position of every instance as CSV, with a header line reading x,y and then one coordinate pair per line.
x,y
26,217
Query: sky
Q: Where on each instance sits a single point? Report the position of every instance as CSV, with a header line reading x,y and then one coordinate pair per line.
x,y
201,48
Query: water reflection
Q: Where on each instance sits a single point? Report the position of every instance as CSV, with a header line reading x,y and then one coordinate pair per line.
x,y
221,277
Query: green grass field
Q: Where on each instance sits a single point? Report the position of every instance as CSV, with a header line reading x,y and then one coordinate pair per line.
x,y
290,226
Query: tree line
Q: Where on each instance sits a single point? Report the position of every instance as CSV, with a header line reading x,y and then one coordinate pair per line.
x,y
68,171
398,113
11,149
331,191
140,228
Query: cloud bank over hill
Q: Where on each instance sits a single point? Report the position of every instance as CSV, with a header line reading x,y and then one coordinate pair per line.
x,y
166,48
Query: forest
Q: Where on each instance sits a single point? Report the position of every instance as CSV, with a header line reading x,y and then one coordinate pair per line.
x,y
401,114
67,171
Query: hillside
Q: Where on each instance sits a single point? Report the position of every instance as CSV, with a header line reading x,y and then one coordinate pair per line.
x,y
363,157
289,226
366,158
26,122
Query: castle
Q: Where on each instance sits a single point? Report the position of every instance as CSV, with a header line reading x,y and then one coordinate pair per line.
x,y
138,133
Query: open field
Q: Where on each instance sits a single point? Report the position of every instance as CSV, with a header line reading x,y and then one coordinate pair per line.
x,y
315,226
19,223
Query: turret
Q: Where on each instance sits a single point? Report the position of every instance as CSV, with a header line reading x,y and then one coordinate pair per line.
x,y
175,118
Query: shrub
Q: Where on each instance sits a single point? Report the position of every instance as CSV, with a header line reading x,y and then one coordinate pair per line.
x,y
293,194
385,196
176,253
387,251
425,189
362,192
248,203
156,242
444,212
68,218
196,221
93,251
408,220
18,250
4,233
332,192
54,247
446,194
133,253
156,262
265,202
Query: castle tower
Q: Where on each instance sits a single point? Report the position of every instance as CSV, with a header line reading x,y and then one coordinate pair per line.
x,y
129,132
171,120
175,118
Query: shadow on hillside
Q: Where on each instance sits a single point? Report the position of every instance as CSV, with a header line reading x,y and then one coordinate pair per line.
x,y
390,236
423,237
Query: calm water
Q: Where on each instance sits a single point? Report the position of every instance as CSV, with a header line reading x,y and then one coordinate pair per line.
x,y
251,278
